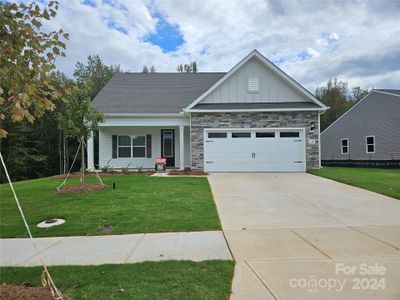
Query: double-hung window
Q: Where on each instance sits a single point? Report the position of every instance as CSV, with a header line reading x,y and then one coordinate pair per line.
x,y
124,146
345,146
139,146
370,144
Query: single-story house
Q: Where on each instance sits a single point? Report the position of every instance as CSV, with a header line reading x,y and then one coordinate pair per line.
x,y
255,118
368,134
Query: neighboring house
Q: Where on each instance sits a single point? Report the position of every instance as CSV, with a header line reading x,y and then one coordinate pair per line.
x,y
255,118
367,134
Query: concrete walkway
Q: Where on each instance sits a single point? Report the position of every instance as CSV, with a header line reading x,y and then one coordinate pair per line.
x,y
115,249
299,236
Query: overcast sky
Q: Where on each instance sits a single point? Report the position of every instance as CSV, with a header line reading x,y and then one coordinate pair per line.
x,y
355,41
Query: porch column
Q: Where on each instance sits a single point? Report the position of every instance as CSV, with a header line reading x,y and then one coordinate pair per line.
x,y
181,147
90,153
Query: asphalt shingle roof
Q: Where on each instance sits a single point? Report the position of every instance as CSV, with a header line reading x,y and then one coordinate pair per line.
x,y
153,92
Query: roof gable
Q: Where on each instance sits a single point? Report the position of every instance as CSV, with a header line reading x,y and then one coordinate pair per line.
x,y
275,85
374,102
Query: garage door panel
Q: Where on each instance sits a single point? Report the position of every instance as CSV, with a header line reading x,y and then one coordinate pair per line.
x,y
266,154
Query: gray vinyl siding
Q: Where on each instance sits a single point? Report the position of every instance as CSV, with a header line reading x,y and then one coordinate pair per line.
x,y
378,114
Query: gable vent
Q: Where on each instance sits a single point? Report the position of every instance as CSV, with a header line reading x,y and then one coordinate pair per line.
x,y
253,85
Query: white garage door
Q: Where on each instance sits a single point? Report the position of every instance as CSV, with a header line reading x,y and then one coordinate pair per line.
x,y
264,150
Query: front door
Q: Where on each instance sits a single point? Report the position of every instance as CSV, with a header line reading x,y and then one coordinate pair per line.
x,y
168,146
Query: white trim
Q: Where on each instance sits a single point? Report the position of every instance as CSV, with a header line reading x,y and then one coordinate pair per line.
x,y
255,109
351,108
269,64
387,93
269,129
181,147
348,146
366,144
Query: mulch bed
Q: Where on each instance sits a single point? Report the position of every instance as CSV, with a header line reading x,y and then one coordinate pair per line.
x,y
104,174
78,189
187,172
23,292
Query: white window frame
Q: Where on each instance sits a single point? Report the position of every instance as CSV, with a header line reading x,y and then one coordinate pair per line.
x,y
366,144
145,145
341,146
118,146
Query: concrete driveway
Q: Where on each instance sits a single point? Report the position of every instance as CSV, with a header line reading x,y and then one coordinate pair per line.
x,y
299,236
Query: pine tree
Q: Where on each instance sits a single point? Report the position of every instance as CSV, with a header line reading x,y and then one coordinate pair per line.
x,y
152,69
145,69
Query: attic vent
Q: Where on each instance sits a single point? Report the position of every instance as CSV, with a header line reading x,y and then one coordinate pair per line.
x,y
253,85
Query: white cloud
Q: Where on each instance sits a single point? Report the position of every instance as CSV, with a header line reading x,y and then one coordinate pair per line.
x,y
352,40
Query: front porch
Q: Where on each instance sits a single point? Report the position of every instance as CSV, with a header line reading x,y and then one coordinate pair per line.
x,y
136,142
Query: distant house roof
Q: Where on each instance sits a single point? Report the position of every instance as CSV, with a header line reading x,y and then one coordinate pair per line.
x,y
153,92
255,105
391,91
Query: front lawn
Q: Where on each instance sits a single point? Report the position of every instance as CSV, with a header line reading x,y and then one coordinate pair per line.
x,y
383,181
148,280
138,204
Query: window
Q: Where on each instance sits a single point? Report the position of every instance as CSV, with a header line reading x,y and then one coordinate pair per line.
x,y
345,146
217,135
241,134
124,146
253,85
370,144
289,134
265,134
139,146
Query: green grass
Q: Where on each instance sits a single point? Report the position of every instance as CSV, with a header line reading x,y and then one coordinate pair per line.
x,y
138,204
383,181
148,280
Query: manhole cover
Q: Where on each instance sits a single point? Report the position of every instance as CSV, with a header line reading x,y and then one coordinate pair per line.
x,y
50,223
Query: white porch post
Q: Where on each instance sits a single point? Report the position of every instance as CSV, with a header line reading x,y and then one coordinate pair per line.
x,y
90,153
181,147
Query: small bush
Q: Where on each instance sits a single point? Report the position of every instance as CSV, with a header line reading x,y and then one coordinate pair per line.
x,y
125,170
107,168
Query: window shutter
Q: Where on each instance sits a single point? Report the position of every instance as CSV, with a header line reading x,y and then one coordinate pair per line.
x,y
114,146
148,145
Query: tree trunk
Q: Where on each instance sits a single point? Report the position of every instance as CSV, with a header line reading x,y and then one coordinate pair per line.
x,y
83,160
65,164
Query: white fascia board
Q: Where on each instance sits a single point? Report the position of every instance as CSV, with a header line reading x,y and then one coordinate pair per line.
x,y
351,108
268,63
256,109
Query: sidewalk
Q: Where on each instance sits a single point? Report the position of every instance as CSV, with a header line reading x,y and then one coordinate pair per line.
x,y
115,249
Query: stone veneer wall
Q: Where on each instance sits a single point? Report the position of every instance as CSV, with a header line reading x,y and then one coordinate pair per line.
x,y
200,121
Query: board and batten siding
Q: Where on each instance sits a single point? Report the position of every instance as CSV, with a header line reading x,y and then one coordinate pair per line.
x,y
378,115
105,146
272,87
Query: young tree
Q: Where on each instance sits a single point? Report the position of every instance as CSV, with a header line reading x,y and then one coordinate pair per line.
x,y
26,58
79,120
194,67
152,69
145,69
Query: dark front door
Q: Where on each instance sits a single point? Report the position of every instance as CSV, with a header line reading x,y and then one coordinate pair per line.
x,y
168,146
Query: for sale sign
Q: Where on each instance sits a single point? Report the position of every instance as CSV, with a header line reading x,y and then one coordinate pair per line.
x,y
160,160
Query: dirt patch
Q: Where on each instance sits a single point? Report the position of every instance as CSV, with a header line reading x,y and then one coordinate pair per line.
x,y
82,189
22,292
105,228
104,174
187,172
